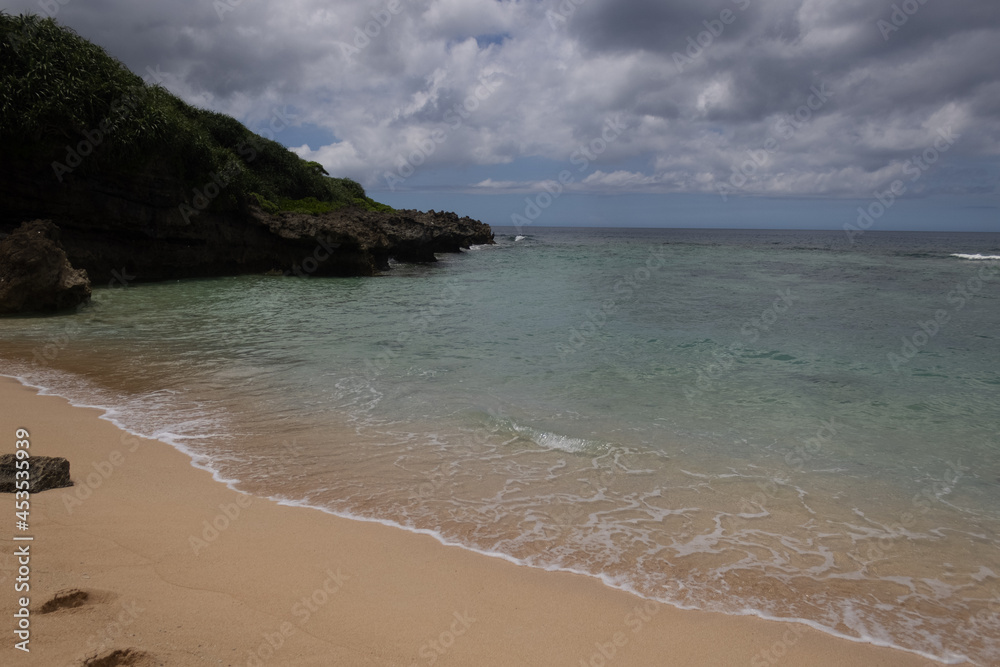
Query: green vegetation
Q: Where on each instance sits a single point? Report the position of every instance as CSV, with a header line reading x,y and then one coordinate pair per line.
x,y
67,105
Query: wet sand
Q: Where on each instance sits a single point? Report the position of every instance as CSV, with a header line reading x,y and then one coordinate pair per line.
x,y
177,569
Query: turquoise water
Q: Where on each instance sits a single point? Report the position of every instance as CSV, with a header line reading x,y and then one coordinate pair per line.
x,y
778,423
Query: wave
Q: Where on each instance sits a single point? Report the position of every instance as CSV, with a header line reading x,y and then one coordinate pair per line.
x,y
182,427
873,636
556,441
178,430
977,257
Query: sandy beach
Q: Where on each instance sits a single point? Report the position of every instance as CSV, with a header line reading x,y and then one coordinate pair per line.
x,y
178,569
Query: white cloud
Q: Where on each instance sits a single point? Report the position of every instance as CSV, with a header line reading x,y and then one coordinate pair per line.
x,y
386,92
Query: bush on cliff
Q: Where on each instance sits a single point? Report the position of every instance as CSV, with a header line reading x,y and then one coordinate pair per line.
x,y
67,105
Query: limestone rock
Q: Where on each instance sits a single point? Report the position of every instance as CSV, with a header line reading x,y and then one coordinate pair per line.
x,y
35,273
45,472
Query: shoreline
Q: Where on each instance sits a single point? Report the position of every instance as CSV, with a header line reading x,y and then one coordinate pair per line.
x,y
230,575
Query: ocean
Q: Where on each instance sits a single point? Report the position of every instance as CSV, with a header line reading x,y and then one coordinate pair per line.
x,y
780,423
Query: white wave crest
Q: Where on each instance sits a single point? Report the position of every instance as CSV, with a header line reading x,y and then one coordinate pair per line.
x,y
977,257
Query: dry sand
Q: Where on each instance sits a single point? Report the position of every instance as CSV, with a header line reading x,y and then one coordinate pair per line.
x,y
292,586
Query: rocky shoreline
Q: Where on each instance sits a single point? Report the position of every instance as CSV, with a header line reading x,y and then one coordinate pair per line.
x,y
110,178
117,230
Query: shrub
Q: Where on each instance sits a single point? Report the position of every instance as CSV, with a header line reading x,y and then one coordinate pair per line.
x,y
58,90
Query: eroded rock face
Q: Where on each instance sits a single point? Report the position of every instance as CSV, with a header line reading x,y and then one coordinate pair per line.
x,y
45,472
35,273
404,235
127,228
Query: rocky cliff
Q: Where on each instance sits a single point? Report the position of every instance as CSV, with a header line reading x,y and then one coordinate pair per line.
x,y
133,225
144,187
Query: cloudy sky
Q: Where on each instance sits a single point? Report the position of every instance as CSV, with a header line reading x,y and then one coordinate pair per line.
x,y
727,113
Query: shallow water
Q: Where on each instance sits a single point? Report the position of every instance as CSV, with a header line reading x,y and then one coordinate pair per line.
x,y
779,423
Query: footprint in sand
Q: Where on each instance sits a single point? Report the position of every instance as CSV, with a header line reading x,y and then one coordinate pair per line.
x,y
66,599
120,657
72,598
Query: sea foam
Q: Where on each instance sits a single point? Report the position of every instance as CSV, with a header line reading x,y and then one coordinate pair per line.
x,y
977,257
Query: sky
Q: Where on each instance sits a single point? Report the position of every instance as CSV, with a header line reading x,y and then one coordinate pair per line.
x,y
807,114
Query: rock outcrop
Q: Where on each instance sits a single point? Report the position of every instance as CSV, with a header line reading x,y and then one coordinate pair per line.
x,y
375,237
45,472
130,228
36,274
144,186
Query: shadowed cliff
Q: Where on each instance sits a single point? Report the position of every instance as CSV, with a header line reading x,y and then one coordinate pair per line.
x,y
142,184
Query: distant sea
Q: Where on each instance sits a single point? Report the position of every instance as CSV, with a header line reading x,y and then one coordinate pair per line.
x,y
777,423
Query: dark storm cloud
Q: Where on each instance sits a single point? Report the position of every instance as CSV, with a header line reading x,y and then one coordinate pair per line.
x,y
652,25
